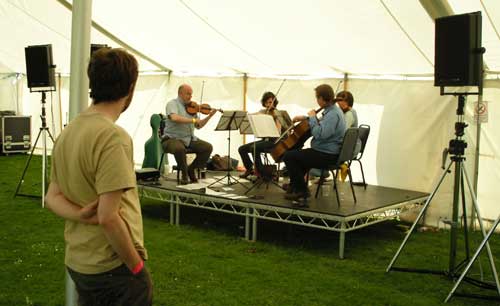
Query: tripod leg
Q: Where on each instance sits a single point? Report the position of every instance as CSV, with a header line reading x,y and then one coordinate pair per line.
x,y
481,225
466,225
44,163
27,164
50,135
422,211
474,257
452,268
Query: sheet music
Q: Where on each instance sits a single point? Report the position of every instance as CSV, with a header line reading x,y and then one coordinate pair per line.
x,y
263,125
230,120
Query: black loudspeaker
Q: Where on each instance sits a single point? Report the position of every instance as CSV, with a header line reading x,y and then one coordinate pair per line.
x,y
458,58
39,66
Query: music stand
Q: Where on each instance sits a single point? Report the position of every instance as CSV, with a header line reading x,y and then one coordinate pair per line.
x,y
260,126
229,121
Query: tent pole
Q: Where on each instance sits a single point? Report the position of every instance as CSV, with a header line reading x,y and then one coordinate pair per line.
x,y
80,51
245,89
79,84
437,8
346,79
59,83
476,158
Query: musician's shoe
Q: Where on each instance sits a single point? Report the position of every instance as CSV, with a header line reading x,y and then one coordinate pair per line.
x,y
184,180
192,175
295,196
288,188
300,203
246,174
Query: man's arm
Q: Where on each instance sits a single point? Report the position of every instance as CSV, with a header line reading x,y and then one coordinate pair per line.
x,y
61,206
115,229
201,123
181,119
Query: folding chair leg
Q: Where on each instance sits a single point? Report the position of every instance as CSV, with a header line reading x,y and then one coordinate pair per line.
x,y
320,182
352,186
335,187
362,173
161,162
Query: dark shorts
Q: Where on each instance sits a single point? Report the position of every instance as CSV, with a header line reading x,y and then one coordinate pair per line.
x,y
115,287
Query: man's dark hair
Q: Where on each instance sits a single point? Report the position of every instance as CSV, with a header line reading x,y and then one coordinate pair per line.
x,y
112,74
325,91
266,96
346,96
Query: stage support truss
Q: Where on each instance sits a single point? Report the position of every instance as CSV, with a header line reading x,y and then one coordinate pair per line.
x,y
254,211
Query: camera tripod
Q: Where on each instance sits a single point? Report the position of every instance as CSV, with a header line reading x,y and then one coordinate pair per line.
x,y
44,130
456,150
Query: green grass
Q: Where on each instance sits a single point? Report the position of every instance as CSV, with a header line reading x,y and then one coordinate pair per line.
x,y
205,262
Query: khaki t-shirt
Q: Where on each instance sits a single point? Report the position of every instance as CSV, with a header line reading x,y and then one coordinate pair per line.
x,y
93,156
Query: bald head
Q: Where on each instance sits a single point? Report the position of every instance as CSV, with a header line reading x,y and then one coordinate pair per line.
x,y
185,92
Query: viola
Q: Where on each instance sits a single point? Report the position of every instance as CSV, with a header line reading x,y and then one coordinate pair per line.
x,y
193,108
297,135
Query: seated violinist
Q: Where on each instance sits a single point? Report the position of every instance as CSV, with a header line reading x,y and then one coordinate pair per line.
x,y
269,103
178,134
327,132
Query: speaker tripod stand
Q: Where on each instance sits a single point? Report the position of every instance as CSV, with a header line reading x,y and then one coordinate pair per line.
x,y
456,149
43,132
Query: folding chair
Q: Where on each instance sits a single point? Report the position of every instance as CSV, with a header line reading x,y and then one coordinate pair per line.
x,y
364,132
345,156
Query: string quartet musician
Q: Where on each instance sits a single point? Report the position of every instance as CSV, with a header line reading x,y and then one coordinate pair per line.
x,y
327,136
269,103
178,135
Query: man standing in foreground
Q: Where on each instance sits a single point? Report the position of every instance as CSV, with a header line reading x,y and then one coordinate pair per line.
x,y
93,187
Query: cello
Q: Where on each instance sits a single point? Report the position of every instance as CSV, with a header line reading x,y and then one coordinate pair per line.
x,y
293,138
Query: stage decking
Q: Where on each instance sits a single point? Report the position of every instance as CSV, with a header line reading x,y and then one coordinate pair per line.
x,y
375,204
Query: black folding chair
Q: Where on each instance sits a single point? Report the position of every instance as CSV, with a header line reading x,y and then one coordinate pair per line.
x,y
364,132
345,156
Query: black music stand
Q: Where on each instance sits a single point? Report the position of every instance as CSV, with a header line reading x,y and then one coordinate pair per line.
x,y
229,121
261,129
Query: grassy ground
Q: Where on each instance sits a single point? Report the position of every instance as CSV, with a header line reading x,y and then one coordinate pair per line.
x,y
205,262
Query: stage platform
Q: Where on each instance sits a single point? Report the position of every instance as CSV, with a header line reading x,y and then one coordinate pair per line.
x,y
375,204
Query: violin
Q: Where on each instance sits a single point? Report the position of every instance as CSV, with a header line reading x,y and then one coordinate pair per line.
x,y
193,108
271,111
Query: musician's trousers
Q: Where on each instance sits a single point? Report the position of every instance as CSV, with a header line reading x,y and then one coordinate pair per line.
x,y
247,149
202,149
298,162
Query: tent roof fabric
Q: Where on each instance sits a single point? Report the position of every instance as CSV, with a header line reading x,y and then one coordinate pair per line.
x,y
260,37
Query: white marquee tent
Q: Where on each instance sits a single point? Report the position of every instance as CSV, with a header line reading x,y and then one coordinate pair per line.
x,y
381,50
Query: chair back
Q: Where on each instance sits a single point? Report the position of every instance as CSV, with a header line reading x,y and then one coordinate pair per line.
x,y
348,145
364,132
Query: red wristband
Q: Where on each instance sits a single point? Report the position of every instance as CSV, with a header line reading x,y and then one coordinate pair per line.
x,y
138,267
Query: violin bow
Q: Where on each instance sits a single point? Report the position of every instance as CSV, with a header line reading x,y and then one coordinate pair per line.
x,y
278,91
201,96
